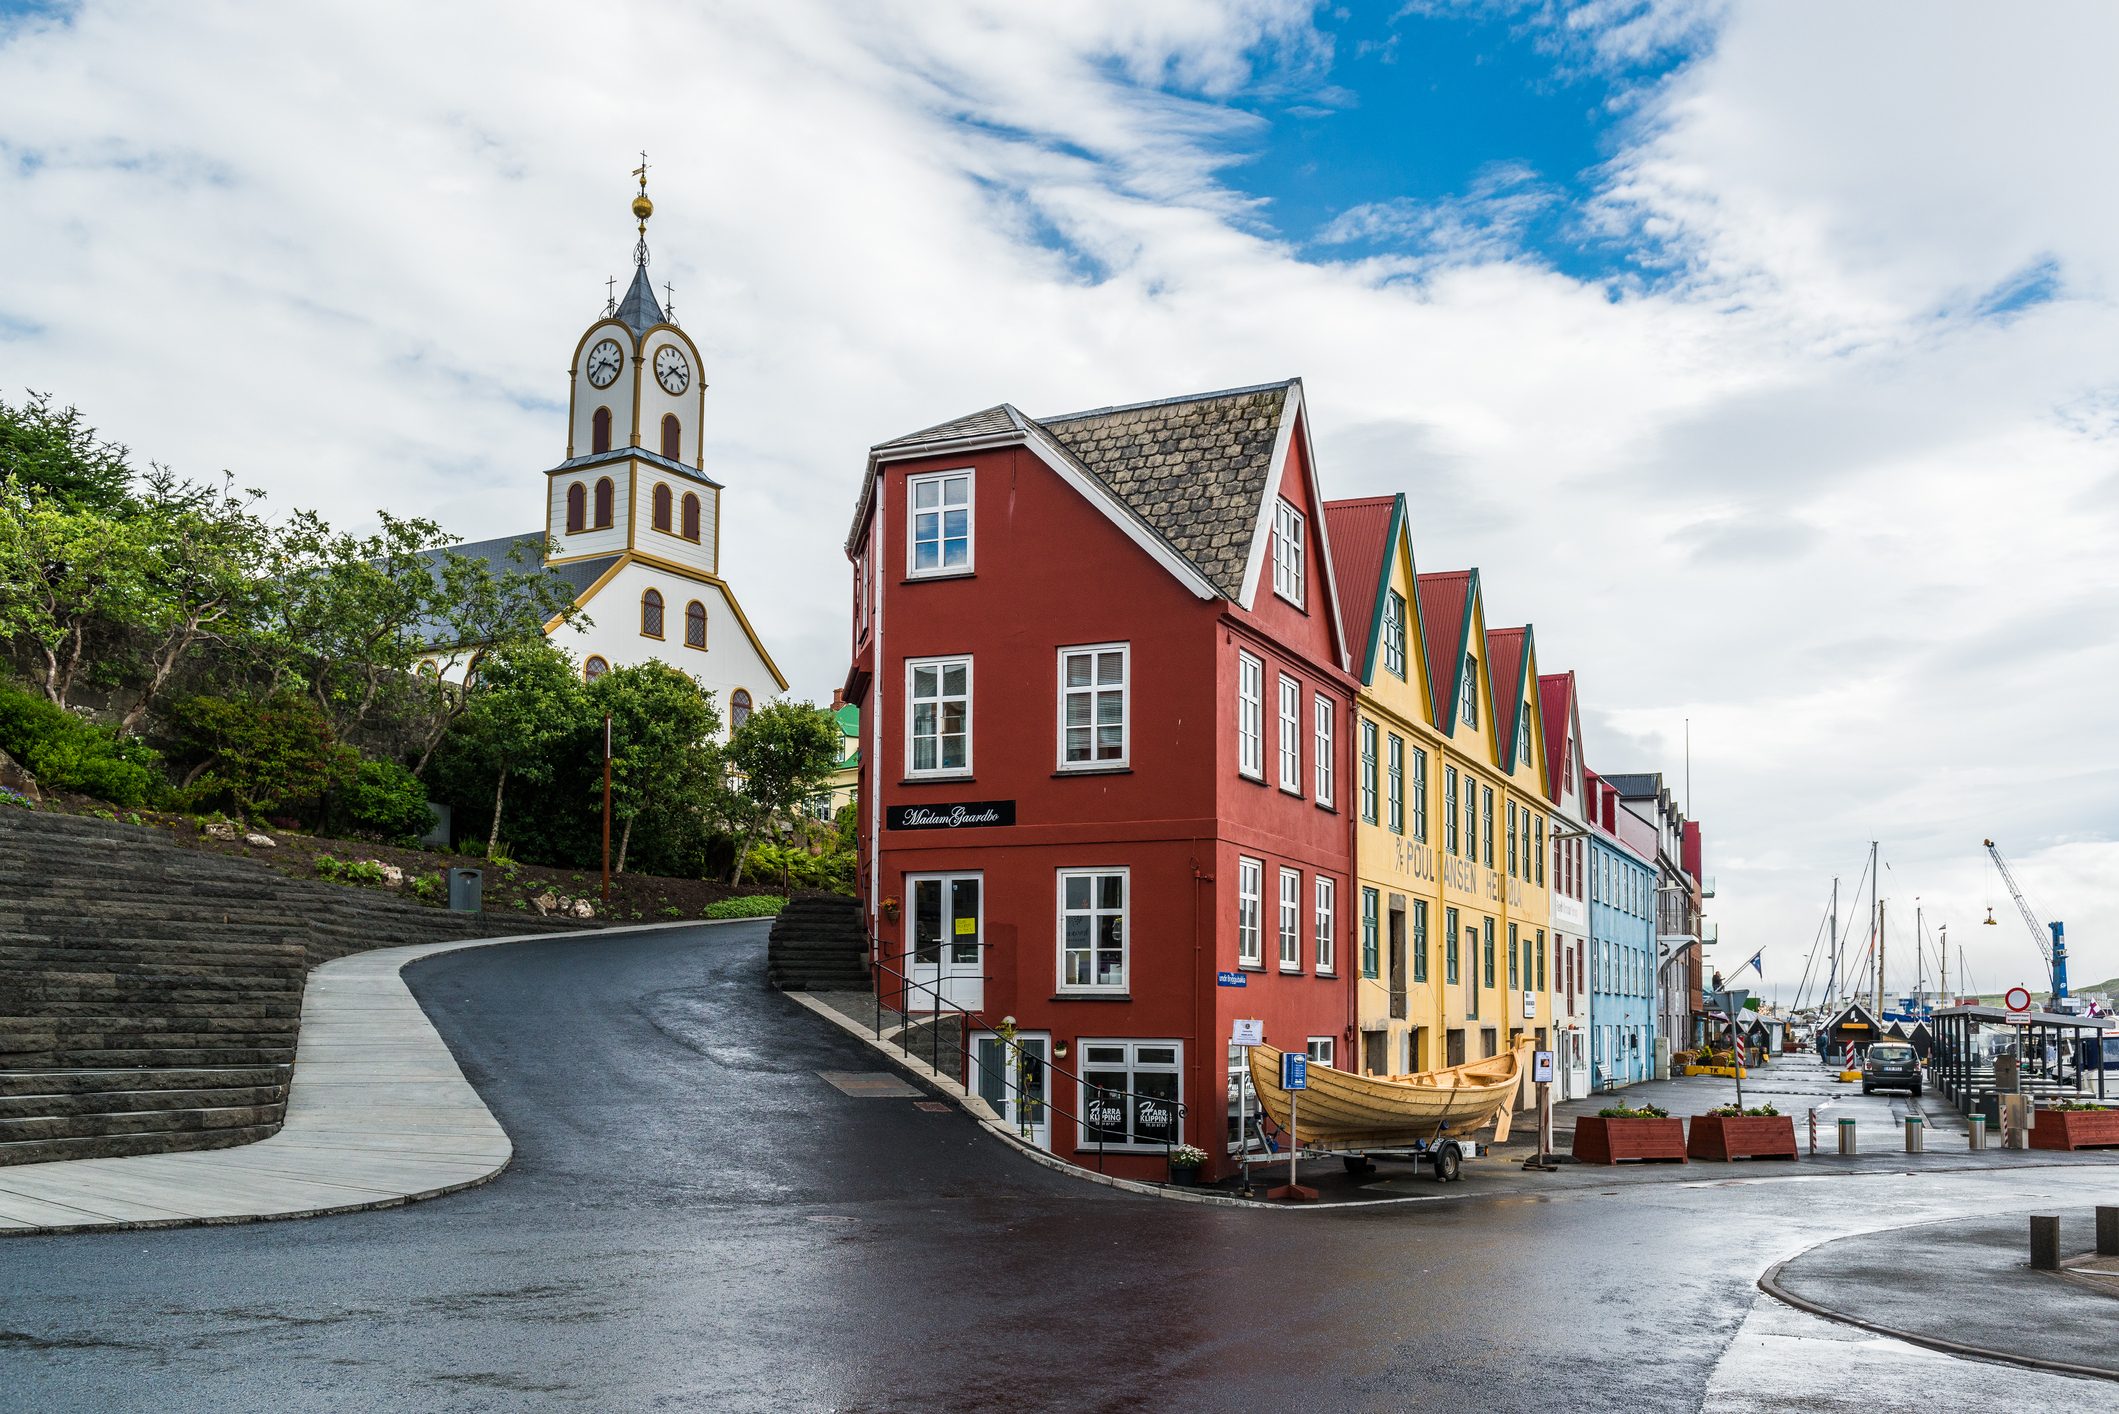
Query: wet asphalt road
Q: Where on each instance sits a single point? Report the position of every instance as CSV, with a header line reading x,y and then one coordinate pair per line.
x,y
695,1220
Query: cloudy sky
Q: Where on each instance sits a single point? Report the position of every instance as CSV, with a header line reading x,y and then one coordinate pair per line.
x,y
1761,355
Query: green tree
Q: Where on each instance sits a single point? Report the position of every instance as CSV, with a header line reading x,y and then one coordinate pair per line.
x,y
57,455
784,753
530,705
662,730
260,757
69,578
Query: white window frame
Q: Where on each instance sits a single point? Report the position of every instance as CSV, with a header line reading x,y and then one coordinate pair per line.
x,y
1322,776
940,665
1093,692
1290,932
1394,633
1287,553
1251,715
1094,913
1085,1139
1290,739
1250,906
1322,1050
1523,747
1326,926
941,539
1468,694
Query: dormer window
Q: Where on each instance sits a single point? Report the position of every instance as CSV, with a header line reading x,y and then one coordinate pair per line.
x,y
577,508
600,431
1287,552
1468,693
940,523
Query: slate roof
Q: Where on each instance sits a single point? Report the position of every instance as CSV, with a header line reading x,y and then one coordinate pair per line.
x,y
1191,470
619,454
1361,544
1195,469
1445,610
577,575
1642,785
639,309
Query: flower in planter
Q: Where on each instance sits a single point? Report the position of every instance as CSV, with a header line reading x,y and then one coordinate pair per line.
x,y
1739,1112
1633,1112
1184,1156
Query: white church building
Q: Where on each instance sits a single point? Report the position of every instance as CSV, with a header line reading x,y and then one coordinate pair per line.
x,y
632,516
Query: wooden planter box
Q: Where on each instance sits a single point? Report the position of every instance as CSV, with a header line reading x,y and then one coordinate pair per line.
x,y
1613,1141
2075,1129
1741,1137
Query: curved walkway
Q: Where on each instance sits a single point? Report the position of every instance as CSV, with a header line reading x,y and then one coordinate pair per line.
x,y
378,1114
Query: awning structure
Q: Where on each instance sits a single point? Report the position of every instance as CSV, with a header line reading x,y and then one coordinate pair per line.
x,y
2048,1045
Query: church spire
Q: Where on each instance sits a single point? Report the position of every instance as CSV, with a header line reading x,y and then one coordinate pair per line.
x,y
638,309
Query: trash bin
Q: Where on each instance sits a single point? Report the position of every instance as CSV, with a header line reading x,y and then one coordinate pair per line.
x,y
1978,1131
467,891
1916,1134
1846,1135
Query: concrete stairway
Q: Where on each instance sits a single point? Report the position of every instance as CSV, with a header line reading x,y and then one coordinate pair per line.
x,y
150,994
818,944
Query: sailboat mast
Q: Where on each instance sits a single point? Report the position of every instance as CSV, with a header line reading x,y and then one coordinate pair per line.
x,y
1832,953
1876,920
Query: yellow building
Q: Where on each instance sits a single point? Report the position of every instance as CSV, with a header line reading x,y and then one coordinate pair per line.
x,y
1452,825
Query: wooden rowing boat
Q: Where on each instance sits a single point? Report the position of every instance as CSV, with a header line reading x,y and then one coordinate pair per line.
x,y
1343,1110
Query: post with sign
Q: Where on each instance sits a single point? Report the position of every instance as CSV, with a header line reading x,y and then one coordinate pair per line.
x,y
1246,1034
1541,1064
1294,1078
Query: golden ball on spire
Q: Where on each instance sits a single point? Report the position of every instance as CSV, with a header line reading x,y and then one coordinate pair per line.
x,y
642,207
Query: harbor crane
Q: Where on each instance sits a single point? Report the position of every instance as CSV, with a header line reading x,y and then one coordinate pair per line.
x,y
2050,937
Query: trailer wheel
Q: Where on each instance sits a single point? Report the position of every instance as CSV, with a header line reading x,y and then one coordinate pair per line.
x,y
1447,1160
1358,1164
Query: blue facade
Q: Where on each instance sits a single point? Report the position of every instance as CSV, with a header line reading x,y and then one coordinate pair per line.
x,y
1622,966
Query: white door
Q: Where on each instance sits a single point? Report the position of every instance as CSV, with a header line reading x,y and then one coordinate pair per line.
x,y
948,935
1577,1064
1016,1082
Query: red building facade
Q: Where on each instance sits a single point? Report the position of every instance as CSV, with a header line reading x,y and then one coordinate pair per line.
x,y
1105,770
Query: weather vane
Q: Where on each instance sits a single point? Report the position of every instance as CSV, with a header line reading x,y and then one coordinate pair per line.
x,y
642,209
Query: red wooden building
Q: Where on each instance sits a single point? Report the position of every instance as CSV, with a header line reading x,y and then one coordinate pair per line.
x,y
1105,773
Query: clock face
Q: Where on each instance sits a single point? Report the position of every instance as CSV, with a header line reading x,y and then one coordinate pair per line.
x,y
671,371
604,362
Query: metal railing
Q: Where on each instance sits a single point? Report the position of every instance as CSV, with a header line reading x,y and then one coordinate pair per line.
x,y
1020,1064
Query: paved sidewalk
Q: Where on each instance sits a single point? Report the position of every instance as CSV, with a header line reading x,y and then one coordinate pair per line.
x,y
379,1114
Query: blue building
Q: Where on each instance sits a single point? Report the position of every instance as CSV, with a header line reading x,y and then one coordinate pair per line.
x,y
1622,958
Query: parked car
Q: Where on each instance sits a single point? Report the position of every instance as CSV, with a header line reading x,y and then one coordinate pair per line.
x,y
1890,1065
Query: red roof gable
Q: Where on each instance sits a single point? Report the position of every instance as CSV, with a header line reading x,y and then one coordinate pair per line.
x,y
1556,694
1445,603
1360,534
1504,669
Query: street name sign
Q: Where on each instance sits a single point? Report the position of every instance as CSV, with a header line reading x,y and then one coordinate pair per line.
x,y
1231,979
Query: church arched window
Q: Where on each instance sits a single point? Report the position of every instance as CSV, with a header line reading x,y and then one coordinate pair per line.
x,y
603,502
695,625
662,508
600,431
738,709
651,614
577,508
595,667
672,437
691,516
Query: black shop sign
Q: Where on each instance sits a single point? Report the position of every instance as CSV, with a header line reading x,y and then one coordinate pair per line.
x,y
951,815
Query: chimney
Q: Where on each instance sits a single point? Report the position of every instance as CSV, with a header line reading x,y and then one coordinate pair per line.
x,y
838,698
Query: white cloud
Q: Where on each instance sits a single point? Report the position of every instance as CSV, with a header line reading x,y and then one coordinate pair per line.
x,y
1807,494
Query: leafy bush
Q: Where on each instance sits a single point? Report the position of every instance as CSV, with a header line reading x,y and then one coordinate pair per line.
x,y
793,867
1633,1112
66,753
387,801
262,757
1739,1112
428,888
746,906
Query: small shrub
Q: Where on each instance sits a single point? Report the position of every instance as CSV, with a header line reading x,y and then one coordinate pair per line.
x,y
64,752
746,906
671,911
1739,1112
1633,1112
329,866
363,871
386,801
429,888
16,798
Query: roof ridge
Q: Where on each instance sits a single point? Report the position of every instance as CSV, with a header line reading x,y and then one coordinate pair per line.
x,y
1171,402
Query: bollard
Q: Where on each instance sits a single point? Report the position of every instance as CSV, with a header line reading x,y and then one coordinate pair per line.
x,y
2045,1244
2108,1232
1813,1131
1846,1135
1916,1134
1978,1132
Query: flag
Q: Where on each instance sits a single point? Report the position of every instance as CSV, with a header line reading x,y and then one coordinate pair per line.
x,y
1755,964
